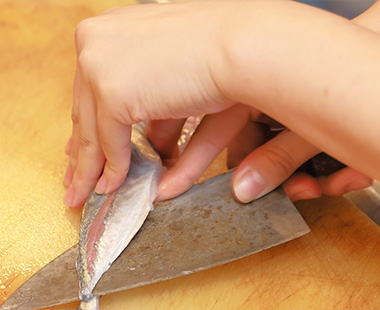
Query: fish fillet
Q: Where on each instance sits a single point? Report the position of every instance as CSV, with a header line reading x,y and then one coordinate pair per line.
x,y
109,222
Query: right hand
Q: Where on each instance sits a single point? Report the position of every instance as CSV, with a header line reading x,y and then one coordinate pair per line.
x,y
271,158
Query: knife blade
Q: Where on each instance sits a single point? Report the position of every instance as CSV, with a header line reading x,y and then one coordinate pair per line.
x,y
203,228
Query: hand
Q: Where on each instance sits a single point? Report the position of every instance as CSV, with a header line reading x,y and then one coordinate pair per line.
x,y
270,164
127,71
276,161
205,61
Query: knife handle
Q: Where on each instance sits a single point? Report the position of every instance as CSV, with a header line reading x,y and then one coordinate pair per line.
x,y
320,165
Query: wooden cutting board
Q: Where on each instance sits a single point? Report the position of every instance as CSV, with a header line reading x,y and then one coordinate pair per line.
x,y
336,266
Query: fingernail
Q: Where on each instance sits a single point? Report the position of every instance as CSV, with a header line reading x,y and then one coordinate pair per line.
x,y
69,198
249,186
101,186
168,186
303,195
356,185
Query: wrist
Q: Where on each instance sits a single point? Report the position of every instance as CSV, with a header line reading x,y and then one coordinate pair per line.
x,y
244,49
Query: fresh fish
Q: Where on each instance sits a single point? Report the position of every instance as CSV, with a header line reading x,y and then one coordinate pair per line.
x,y
109,222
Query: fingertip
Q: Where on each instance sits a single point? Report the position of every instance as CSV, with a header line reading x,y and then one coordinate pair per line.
x,y
304,195
248,185
111,179
165,191
80,188
270,165
357,185
101,186
75,198
161,196
71,200
69,197
173,184
78,203
302,186
344,181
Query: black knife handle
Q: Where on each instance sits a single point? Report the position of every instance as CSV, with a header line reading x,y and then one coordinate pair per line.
x,y
320,165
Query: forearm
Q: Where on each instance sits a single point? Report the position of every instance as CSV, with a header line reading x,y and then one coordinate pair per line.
x,y
310,70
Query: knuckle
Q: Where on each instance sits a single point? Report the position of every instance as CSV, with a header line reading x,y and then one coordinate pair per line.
x,y
79,176
115,168
86,143
86,62
128,116
74,117
281,160
117,164
117,171
116,105
86,41
109,88
73,156
85,175
84,30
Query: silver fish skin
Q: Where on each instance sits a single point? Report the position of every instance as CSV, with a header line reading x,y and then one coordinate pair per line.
x,y
91,304
109,222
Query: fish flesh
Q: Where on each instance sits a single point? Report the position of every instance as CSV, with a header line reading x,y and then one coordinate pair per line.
x,y
109,222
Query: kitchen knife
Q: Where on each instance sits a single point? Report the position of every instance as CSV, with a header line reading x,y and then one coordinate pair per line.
x,y
203,228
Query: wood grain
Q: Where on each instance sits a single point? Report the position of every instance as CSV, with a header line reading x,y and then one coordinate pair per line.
x,y
336,266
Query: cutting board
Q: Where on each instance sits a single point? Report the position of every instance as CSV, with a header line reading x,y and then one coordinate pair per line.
x,y
336,266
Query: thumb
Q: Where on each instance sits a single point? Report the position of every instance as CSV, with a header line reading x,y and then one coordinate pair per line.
x,y
270,165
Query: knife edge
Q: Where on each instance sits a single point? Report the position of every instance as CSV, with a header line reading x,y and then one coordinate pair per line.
x,y
201,229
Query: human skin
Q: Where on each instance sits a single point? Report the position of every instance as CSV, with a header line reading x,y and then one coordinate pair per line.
x,y
210,61
276,160
331,185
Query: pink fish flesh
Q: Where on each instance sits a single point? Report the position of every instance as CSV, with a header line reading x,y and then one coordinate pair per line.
x,y
109,222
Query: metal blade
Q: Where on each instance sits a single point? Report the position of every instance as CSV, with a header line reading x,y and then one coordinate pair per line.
x,y
202,228
367,200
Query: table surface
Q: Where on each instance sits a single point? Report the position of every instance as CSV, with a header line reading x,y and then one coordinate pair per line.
x,y
336,266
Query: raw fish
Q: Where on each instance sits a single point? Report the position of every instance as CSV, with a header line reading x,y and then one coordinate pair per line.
x,y
109,222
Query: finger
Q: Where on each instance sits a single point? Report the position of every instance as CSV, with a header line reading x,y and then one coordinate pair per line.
x,y
73,159
344,181
90,155
270,165
214,133
250,137
302,186
164,135
68,146
270,122
115,139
